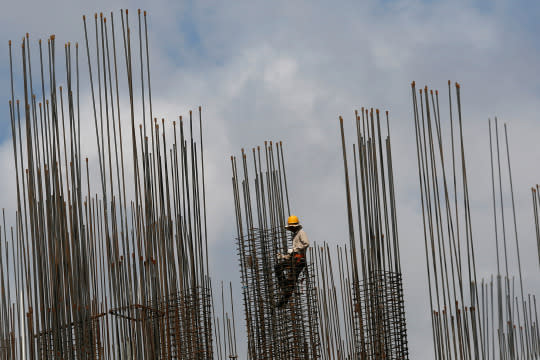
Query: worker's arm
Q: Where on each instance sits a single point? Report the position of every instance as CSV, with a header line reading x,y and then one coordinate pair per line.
x,y
300,242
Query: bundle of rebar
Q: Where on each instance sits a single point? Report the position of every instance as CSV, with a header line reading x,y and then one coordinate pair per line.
x,y
457,331
377,289
516,329
463,322
226,347
98,273
291,331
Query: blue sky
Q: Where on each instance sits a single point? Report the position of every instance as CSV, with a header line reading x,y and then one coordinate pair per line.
x,y
286,70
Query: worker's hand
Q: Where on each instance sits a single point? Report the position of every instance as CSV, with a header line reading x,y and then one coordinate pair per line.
x,y
289,251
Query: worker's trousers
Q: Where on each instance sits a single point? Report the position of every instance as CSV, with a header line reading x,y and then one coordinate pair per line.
x,y
288,271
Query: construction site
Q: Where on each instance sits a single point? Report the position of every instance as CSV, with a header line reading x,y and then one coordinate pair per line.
x,y
108,253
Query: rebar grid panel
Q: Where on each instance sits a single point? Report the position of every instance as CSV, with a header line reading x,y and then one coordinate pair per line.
x,y
380,327
290,332
81,340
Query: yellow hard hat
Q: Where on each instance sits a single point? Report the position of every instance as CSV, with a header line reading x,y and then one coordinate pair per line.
x,y
292,221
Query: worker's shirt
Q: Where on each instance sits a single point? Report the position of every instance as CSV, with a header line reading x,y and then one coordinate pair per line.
x,y
300,242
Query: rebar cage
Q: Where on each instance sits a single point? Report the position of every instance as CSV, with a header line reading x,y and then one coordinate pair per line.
x,y
180,324
289,332
184,325
379,317
7,347
78,340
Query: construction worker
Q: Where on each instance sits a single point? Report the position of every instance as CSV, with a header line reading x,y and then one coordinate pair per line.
x,y
290,265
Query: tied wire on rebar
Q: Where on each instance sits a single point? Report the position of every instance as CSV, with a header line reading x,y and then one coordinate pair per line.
x,y
291,331
379,324
102,273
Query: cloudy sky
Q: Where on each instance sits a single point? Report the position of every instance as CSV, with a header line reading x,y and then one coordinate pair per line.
x,y
285,70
